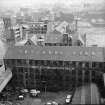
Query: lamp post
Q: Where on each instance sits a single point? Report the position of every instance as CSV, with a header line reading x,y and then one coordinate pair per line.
x,y
45,88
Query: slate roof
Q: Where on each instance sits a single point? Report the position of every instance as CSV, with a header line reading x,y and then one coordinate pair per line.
x,y
60,53
20,43
25,42
62,26
53,37
34,39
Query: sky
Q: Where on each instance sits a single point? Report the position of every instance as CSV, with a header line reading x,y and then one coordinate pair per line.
x,y
16,3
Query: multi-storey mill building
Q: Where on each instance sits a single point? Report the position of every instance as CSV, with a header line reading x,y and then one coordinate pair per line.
x,y
56,67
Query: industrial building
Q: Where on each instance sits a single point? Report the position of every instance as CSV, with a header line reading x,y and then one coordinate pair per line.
x,y
56,67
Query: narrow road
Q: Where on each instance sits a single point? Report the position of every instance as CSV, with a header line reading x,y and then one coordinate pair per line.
x,y
87,94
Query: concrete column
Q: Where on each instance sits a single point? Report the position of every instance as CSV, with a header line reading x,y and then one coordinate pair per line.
x,y
90,76
76,74
104,78
76,78
83,89
64,82
83,77
24,78
35,78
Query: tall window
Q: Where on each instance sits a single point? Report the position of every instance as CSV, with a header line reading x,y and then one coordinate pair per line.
x,y
80,64
66,64
13,61
19,62
94,64
87,64
20,70
31,62
101,65
24,62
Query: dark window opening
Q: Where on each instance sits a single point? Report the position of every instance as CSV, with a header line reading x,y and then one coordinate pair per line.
x,y
73,72
32,76
24,62
37,71
80,64
42,63
93,73
8,62
31,71
74,64
86,72
20,76
26,75
93,64
37,76
31,62
60,63
54,63
87,64
100,65
25,70
43,71
26,82
20,70
37,63
19,62
13,61
66,64
79,72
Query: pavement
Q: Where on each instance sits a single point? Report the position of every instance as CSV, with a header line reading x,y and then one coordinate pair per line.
x,y
77,96
94,95
87,94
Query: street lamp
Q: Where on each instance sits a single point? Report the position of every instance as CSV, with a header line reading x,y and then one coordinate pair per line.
x,y
45,87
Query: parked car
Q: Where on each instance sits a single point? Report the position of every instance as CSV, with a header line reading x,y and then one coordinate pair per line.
x,y
24,90
34,92
51,103
68,99
48,103
21,97
54,103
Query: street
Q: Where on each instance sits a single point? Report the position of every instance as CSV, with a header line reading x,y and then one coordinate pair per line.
x,y
58,97
87,94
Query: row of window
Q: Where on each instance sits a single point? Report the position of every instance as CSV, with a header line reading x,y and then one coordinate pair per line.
x,y
57,44
39,26
21,81
20,62
33,74
38,32
34,80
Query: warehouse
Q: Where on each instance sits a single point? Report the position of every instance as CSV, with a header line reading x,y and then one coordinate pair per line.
x,y
57,67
